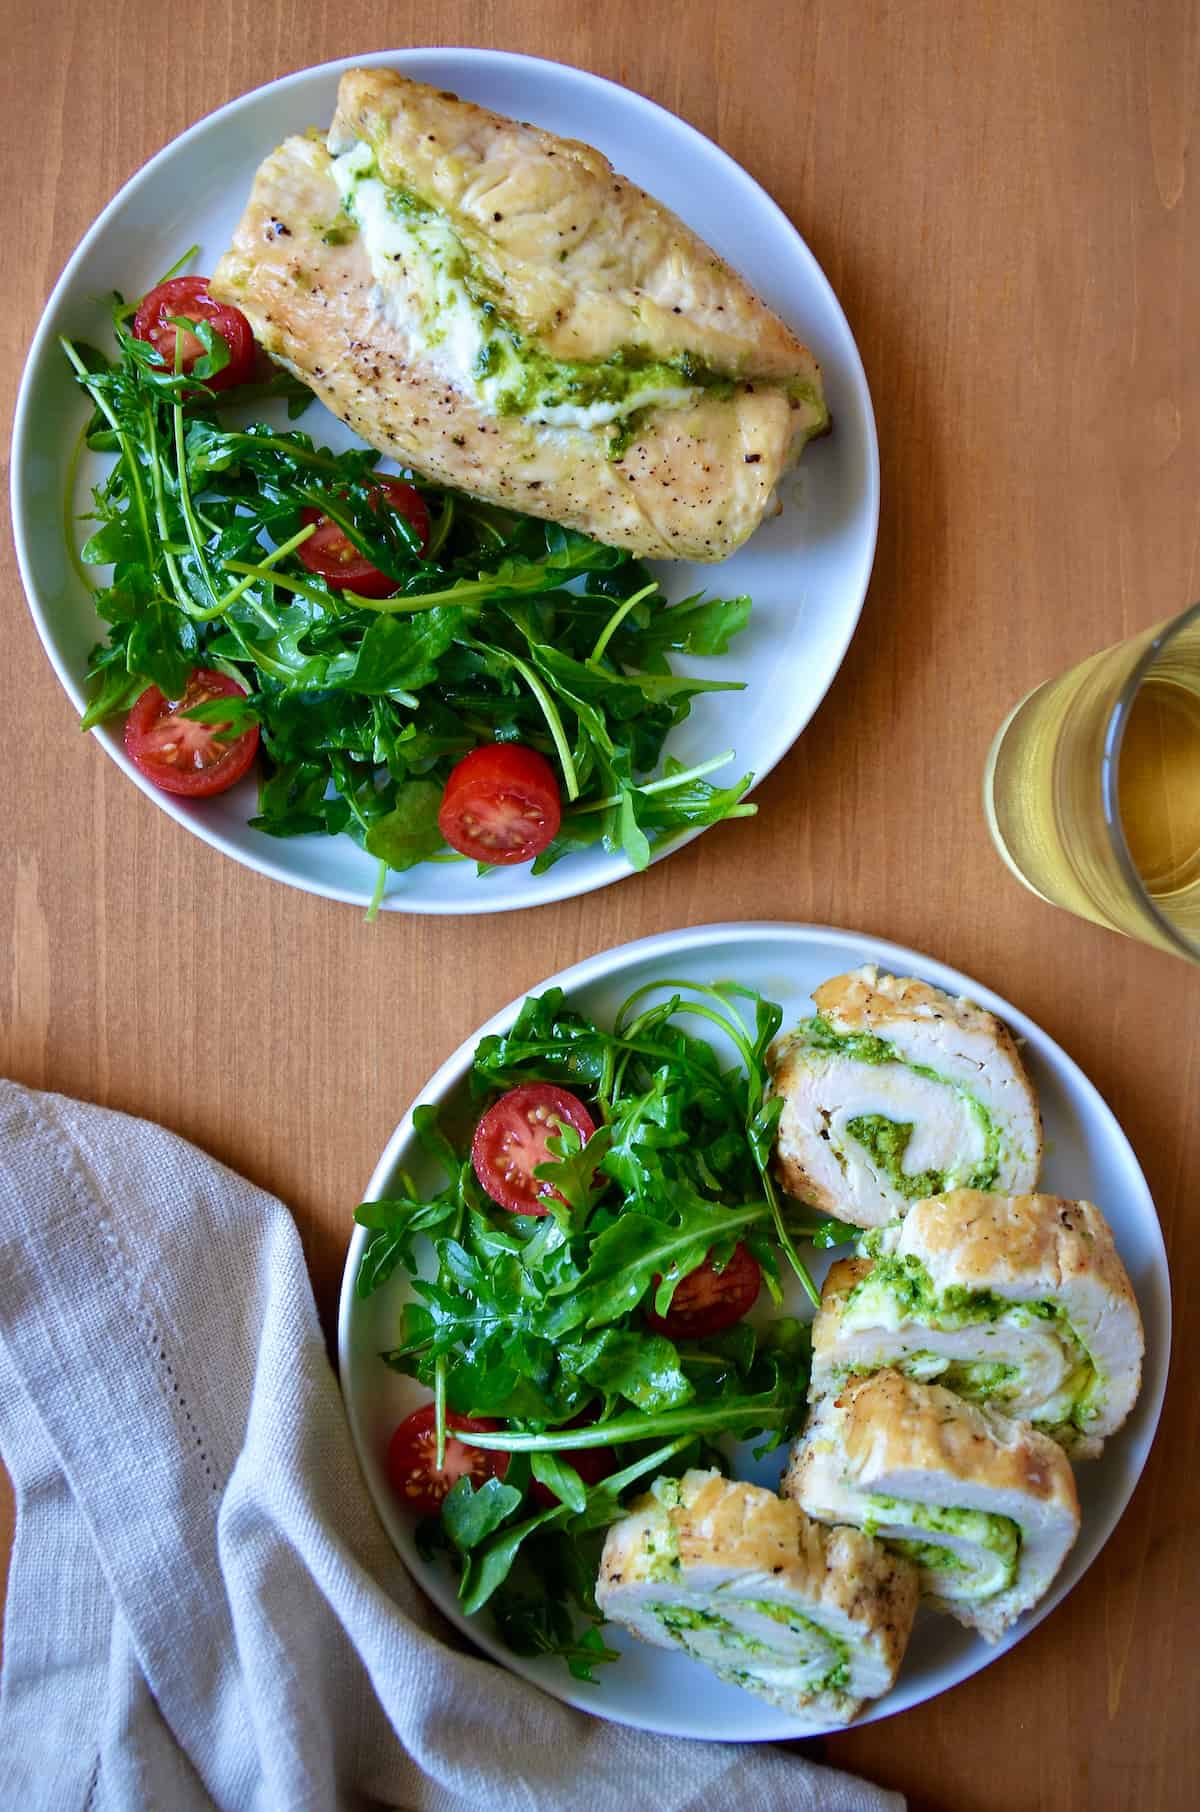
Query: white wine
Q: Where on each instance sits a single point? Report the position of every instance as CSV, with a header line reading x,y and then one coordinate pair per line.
x,y
1092,789
1159,791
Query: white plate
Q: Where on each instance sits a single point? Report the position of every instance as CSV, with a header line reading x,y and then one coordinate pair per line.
x,y
1087,1155
807,570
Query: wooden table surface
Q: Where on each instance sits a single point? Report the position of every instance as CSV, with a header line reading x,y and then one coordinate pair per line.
x,y
999,194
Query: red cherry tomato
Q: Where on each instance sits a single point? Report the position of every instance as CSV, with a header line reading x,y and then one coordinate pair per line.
x,y
188,297
412,1467
591,1463
181,755
510,1141
334,557
707,1300
501,804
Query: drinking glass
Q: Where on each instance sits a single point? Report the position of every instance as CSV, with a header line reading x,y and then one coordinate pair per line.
x,y
1092,787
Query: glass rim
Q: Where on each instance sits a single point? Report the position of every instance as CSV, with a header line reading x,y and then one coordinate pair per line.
x,y
1114,736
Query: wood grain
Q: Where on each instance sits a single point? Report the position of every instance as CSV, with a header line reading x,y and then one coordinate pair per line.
x,y
1000,195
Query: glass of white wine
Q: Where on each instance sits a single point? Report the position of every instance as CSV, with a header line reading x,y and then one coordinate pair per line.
x,y
1092,787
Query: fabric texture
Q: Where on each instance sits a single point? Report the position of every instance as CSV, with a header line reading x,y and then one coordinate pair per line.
x,y
204,1609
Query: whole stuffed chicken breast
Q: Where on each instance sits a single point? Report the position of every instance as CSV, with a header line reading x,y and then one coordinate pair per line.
x,y
894,1091
986,1507
815,1620
1017,1301
497,308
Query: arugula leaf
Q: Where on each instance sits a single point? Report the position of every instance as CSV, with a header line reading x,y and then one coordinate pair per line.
x,y
561,1478
409,832
470,1515
400,654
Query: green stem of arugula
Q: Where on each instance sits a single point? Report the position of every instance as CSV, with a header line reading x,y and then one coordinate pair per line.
x,y
101,403
441,528
160,512
689,1421
785,1239
439,1409
376,903
615,621
301,454
296,585
261,571
466,591
191,526
175,268
548,709
629,1475
666,784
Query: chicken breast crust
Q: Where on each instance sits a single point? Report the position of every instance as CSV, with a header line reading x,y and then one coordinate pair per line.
x,y
495,307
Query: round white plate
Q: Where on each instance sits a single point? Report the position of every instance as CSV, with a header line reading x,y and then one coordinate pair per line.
x,y
806,570
1087,1155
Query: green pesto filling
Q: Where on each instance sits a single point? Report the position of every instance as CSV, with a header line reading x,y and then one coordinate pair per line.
x,y
526,379
997,1535
682,1620
927,1554
886,1141
976,1379
862,1047
905,1279
837,1677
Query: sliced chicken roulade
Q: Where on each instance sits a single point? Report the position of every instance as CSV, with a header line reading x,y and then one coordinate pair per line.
x,y
1017,1301
497,308
985,1507
815,1620
895,1091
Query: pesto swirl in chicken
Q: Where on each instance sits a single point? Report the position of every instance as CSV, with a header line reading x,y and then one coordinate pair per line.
x,y
497,308
894,1091
1017,1301
815,1620
985,1507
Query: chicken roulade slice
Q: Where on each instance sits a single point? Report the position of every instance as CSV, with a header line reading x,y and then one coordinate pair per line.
x,y
894,1091
985,1507
1017,1301
815,1620
497,308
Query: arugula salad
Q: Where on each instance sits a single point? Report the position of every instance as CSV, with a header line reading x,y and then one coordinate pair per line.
x,y
409,660
577,1292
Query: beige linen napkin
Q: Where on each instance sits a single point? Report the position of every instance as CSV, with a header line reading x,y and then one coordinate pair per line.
x,y
203,1607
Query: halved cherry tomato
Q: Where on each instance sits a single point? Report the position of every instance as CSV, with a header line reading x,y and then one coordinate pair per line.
x,y
334,557
591,1463
412,1467
188,297
708,1300
501,804
181,755
510,1141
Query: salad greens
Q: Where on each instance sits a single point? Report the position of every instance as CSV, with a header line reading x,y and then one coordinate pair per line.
x,y
539,1320
366,704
